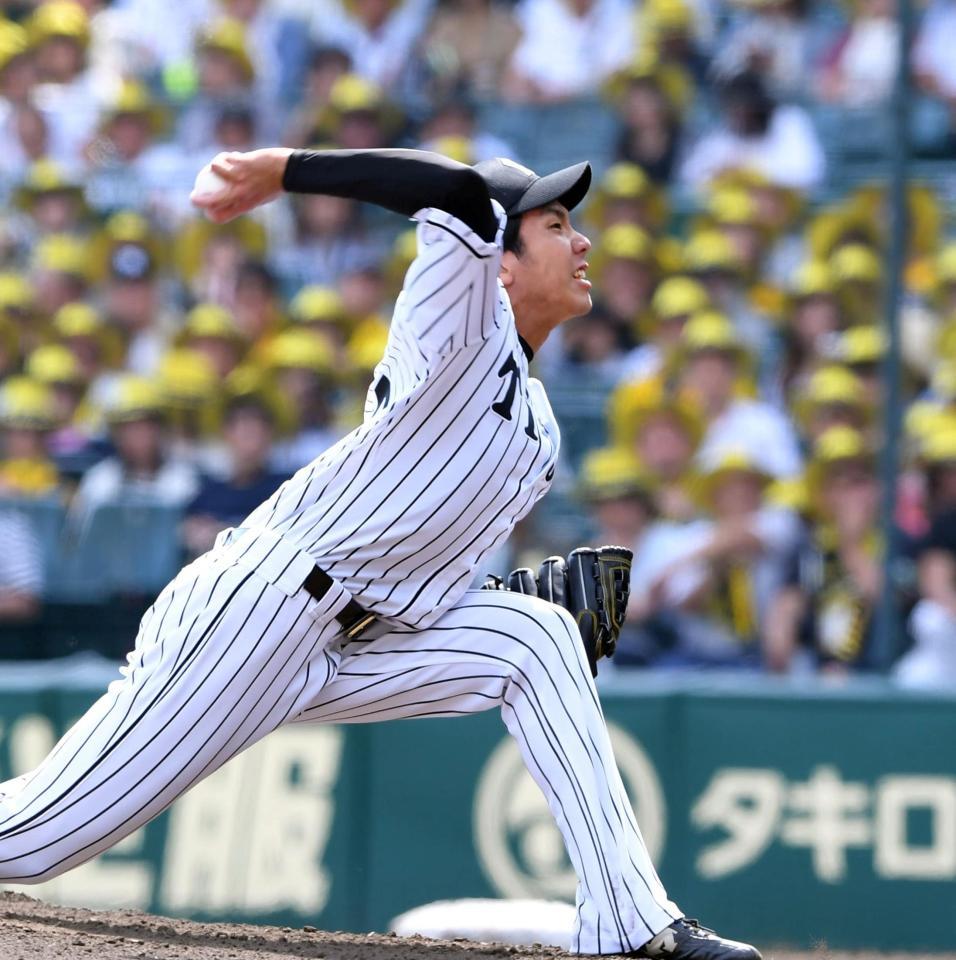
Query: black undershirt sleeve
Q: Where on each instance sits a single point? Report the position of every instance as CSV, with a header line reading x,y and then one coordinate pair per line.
x,y
403,181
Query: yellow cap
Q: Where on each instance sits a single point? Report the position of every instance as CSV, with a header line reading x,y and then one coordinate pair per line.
x,y
830,386
839,444
631,405
131,397
367,344
863,344
710,250
943,380
710,330
16,292
679,296
610,473
26,403
228,35
812,278
317,303
298,349
924,418
623,241
13,42
133,98
457,148
61,253
788,493
186,378
733,206
77,320
856,263
728,463
81,320
45,176
210,320
352,93
940,446
59,18
54,364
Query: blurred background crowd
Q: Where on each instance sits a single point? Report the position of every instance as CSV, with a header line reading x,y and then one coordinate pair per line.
x,y
721,407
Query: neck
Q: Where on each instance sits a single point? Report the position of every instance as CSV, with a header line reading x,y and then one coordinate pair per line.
x,y
534,329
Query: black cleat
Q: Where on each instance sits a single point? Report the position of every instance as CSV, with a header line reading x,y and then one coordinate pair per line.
x,y
686,939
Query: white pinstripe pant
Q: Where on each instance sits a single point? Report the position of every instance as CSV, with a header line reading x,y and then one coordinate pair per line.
x,y
224,657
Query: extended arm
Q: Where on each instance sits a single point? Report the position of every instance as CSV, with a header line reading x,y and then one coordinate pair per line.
x,y
400,180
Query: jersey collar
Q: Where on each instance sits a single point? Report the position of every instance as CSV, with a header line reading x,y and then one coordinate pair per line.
x,y
528,352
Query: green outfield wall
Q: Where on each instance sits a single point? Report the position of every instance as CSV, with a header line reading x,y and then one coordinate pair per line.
x,y
784,815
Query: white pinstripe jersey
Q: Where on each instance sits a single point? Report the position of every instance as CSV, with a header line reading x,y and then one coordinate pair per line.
x,y
457,444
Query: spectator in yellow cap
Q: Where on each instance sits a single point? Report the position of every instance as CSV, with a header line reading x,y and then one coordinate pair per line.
x,y
302,363
675,300
189,392
140,469
212,331
835,582
625,272
811,321
932,662
225,75
69,442
321,310
82,330
27,416
625,194
858,273
59,32
712,363
619,496
17,65
862,350
52,199
735,561
663,431
833,397
649,103
711,258
59,272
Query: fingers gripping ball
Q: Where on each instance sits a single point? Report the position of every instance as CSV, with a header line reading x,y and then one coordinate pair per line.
x,y
208,183
594,585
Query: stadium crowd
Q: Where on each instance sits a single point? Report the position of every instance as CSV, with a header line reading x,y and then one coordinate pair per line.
x,y
733,354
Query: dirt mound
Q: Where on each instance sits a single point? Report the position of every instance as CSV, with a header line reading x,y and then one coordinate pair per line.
x,y
33,930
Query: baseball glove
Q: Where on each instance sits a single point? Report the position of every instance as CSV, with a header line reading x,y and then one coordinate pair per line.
x,y
593,584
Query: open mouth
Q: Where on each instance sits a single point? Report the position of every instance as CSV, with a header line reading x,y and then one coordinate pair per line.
x,y
581,274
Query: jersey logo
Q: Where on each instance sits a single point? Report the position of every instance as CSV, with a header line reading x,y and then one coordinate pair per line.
x,y
503,406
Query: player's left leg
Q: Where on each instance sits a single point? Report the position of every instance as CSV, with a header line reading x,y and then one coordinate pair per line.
x,y
506,650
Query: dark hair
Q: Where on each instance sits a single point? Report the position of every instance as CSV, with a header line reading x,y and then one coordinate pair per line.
x,y
249,403
511,239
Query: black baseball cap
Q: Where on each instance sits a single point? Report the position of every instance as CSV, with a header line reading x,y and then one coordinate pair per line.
x,y
519,189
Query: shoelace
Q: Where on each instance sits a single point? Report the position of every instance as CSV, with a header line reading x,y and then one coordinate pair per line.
x,y
695,925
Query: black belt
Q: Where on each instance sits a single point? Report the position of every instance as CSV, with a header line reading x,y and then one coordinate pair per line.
x,y
353,617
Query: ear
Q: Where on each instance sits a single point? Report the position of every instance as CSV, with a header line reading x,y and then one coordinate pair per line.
x,y
506,271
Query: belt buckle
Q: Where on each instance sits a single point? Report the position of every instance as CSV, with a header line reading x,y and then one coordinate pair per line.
x,y
353,631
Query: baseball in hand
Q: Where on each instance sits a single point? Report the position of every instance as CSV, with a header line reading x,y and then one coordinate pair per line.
x,y
208,183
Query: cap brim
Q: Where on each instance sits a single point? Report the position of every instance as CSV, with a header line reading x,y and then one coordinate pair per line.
x,y
567,186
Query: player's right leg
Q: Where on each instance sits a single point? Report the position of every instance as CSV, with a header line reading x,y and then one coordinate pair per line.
x,y
222,658
524,656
